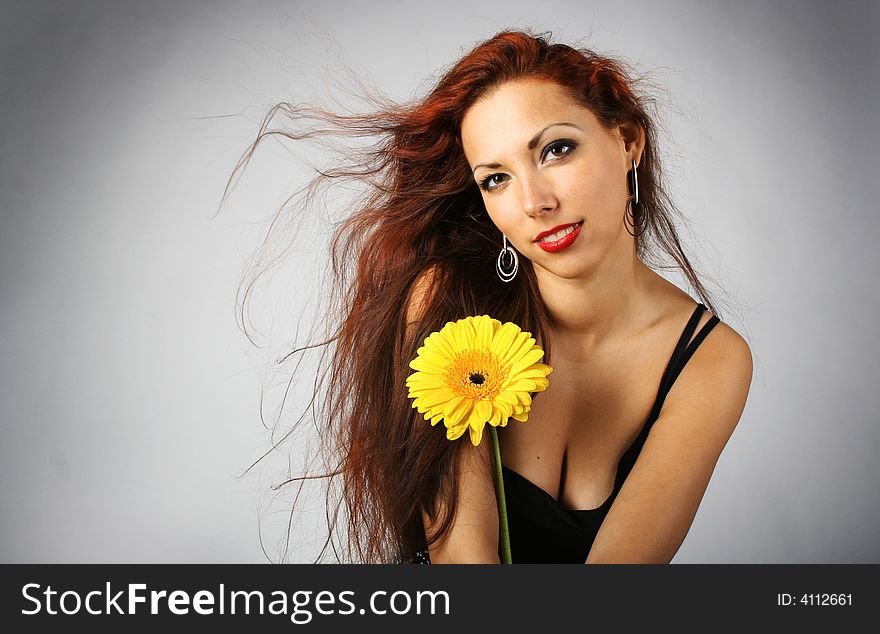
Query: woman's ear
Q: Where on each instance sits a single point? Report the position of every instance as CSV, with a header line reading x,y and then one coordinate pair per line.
x,y
633,136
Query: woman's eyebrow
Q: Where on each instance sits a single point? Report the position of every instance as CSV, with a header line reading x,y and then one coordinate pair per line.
x,y
532,144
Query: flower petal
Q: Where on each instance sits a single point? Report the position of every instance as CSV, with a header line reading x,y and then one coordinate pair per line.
x,y
541,385
443,344
434,397
506,396
433,356
450,406
536,371
496,417
485,332
521,385
522,343
423,365
506,409
450,334
422,381
521,417
460,414
523,398
504,338
482,412
476,434
454,433
466,333
526,360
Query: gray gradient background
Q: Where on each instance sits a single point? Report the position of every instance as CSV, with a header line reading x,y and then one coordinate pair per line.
x,y
128,397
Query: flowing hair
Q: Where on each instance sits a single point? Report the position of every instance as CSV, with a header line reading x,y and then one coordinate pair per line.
x,y
422,212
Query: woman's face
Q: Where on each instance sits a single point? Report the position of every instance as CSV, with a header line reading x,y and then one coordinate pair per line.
x,y
543,160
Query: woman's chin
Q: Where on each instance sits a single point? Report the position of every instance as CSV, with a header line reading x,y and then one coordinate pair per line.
x,y
576,270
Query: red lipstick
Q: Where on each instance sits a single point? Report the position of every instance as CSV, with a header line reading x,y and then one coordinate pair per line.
x,y
563,242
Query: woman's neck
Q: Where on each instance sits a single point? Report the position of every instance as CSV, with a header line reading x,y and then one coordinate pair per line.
x,y
590,312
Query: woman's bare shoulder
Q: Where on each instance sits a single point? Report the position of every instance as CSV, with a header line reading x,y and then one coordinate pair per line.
x,y
720,366
722,354
420,294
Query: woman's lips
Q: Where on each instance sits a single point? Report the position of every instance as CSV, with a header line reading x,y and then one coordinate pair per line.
x,y
564,242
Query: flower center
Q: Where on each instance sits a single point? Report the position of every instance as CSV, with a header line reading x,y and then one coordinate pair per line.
x,y
477,378
477,374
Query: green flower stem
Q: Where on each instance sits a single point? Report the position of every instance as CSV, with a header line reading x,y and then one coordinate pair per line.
x,y
502,504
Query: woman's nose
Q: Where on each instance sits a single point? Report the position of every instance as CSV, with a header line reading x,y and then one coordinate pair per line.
x,y
537,196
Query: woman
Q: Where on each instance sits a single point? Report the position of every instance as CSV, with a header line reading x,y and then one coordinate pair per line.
x,y
524,186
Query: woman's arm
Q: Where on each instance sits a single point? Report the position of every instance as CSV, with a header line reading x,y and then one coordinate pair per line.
x,y
654,510
473,535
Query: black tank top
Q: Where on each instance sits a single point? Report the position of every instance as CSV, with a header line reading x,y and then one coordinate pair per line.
x,y
544,531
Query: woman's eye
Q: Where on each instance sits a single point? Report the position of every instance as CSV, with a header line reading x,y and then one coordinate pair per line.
x,y
489,183
559,149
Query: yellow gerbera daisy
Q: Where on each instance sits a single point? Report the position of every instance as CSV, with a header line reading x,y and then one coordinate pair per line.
x,y
476,371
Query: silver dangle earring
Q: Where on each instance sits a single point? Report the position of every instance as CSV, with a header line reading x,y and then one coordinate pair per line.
x,y
506,259
641,223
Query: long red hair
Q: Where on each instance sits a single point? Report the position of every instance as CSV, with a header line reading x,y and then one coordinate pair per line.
x,y
384,464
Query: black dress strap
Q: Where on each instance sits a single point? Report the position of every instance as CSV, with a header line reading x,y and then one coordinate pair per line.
x,y
684,350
